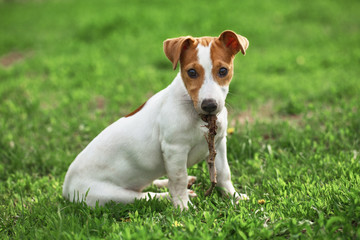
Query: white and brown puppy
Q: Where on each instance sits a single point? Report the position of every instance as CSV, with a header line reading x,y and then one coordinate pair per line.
x,y
165,136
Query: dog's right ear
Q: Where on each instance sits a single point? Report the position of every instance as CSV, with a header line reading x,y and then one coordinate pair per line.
x,y
175,46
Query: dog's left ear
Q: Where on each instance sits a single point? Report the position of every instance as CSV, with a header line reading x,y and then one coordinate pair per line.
x,y
173,48
234,42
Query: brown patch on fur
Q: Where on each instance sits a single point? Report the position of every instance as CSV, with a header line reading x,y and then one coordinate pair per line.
x,y
189,60
173,48
222,52
137,110
205,41
221,56
183,49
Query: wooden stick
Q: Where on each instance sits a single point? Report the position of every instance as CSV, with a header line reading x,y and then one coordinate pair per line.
x,y
210,138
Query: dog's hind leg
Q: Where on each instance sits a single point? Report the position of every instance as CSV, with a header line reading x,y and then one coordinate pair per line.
x,y
105,192
162,183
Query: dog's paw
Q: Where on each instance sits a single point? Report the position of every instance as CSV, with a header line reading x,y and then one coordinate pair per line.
x,y
184,204
162,183
243,197
191,181
192,193
240,197
236,198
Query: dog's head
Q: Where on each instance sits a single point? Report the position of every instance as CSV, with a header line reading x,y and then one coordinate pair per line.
x,y
206,66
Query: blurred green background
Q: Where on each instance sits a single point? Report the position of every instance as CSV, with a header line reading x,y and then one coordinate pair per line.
x,y
67,63
70,68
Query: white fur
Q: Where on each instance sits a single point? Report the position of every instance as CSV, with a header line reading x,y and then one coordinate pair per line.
x,y
164,138
210,88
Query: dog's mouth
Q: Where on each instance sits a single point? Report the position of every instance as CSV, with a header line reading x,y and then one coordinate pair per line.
x,y
206,117
203,113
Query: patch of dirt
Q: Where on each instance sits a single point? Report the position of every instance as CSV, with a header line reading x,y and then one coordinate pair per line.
x,y
100,102
11,58
243,118
264,113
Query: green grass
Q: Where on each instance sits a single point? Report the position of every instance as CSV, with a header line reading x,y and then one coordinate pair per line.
x,y
294,103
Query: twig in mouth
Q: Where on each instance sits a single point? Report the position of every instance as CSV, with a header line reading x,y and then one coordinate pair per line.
x,y
210,139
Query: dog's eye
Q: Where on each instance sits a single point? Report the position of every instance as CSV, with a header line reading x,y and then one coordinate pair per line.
x,y
223,72
192,73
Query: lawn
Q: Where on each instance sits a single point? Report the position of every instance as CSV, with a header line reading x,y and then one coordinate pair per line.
x,y
70,68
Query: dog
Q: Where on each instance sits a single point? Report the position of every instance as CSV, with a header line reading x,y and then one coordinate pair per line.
x,y
165,135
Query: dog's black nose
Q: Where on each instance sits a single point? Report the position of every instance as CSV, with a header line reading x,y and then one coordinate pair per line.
x,y
209,105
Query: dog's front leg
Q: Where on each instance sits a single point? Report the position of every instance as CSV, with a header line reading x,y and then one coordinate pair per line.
x,y
175,158
223,173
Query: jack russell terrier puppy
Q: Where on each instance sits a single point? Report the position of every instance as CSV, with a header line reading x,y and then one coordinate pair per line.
x,y
165,135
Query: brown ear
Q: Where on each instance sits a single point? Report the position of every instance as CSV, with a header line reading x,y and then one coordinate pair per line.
x,y
234,42
174,46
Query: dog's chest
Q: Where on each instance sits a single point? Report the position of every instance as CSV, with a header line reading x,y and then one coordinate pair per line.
x,y
200,150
